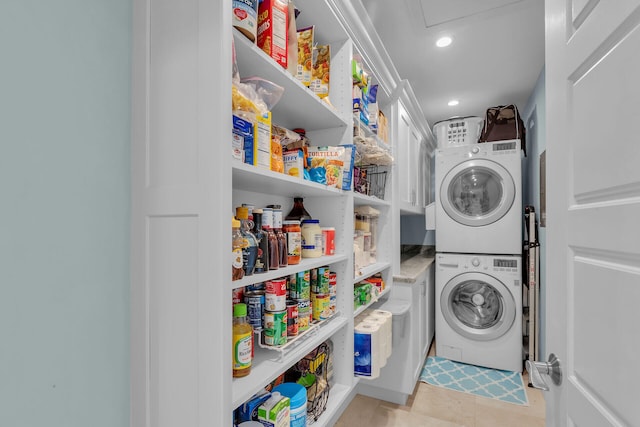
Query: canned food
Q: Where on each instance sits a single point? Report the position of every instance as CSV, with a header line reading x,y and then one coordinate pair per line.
x,y
299,286
275,328
320,280
292,318
320,306
328,240
304,314
332,304
237,295
255,301
333,282
276,294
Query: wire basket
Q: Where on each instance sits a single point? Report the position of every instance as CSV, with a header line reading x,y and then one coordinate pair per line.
x,y
370,180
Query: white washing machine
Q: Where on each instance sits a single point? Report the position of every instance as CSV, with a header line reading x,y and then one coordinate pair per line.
x,y
478,206
479,310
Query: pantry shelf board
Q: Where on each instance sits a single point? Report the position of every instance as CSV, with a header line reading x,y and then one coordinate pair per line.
x,y
316,114
370,303
264,369
327,28
305,264
368,133
252,178
338,396
360,199
370,270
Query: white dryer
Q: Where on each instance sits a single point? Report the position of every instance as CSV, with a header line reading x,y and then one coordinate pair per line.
x,y
478,206
479,310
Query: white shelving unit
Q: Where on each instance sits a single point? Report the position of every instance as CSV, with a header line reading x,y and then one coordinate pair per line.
x,y
185,187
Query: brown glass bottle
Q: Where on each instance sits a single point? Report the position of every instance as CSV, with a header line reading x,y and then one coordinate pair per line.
x,y
282,239
272,239
298,212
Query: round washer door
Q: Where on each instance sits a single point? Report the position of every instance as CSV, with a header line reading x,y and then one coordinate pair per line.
x,y
477,192
478,306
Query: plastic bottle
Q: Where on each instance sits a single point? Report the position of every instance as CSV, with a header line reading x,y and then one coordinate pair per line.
x,y
236,244
298,212
250,243
272,239
242,341
262,258
297,395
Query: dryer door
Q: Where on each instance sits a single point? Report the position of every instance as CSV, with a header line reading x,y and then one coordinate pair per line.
x,y
478,306
477,192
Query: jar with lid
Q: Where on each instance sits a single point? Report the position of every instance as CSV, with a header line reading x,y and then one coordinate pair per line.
x,y
311,238
294,241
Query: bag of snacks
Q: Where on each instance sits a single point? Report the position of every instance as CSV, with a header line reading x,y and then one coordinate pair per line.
x,y
325,165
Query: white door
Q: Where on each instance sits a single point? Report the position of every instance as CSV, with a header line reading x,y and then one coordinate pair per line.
x,y
593,191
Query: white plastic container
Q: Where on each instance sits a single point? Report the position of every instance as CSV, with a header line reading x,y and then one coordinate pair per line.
x,y
458,131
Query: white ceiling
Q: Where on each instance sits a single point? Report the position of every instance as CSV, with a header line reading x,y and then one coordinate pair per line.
x,y
496,56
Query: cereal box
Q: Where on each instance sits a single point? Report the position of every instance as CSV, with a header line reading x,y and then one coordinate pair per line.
x,y
273,37
320,73
305,55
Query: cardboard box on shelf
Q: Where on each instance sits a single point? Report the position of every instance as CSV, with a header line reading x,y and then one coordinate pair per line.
x,y
273,36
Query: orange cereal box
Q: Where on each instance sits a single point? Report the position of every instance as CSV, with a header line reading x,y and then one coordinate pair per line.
x,y
273,37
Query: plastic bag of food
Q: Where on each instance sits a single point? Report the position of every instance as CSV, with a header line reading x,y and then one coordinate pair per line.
x,y
325,165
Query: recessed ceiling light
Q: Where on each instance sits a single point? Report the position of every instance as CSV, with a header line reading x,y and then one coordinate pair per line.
x,y
453,103
443,41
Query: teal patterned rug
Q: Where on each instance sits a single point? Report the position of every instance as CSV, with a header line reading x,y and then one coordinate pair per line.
x,y
506,386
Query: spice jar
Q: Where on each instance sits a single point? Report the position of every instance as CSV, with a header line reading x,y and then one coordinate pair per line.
x,y
311,238
294,241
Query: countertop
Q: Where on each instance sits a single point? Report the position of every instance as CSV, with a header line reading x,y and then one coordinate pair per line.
x,y
414,261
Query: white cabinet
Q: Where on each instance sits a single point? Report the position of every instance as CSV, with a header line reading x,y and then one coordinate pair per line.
x,y
410,151
412,303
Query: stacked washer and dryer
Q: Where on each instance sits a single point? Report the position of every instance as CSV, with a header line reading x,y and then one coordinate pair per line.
x,y
478,219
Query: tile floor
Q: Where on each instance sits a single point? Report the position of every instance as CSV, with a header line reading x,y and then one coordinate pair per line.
x,y
436,406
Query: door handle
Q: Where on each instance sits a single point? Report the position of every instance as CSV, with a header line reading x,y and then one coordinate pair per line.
x,y
538,369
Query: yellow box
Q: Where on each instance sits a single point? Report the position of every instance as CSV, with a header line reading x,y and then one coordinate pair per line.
x,y
262,141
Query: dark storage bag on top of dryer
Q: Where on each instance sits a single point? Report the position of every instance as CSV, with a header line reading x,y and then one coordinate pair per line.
x,y
503,122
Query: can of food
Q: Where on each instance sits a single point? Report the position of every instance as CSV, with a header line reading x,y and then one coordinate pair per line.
x,y
274,330
304,314
299,285
332,304
255,307
292,318
333,282
254,287
322,280
320,306
328,240
313,280
245,17
237,295
276,294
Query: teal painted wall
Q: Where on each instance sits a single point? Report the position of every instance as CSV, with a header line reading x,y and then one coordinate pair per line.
x,y
534,117
65,212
